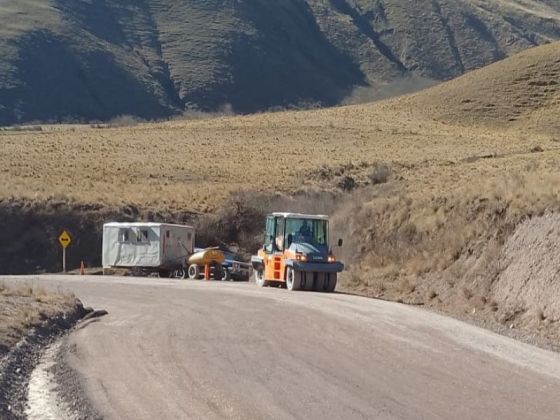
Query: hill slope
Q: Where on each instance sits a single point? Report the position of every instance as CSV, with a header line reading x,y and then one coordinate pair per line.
x,y
521,91
195,164
95,59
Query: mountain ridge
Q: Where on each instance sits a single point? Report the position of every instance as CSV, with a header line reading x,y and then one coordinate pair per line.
x,y
91,60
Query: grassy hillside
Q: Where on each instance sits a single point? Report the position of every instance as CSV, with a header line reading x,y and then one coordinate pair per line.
x,y
94,60
433,138
521,92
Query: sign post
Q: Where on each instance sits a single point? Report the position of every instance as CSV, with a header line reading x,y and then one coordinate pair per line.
x,y
65,240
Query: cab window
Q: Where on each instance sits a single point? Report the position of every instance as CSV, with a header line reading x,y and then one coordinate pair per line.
x,y
307,231
279,235
269,234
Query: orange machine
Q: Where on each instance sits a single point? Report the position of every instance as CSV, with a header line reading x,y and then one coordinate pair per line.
x,y
296,253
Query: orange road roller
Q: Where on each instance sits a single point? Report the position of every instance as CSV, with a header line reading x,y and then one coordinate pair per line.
x,y
296,253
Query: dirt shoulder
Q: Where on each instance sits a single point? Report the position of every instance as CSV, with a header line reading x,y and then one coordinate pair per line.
x,y
25,307
30,320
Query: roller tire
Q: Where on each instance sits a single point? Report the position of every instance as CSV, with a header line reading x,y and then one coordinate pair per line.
x,y
306,279
322,283
332,283
259,278
293,279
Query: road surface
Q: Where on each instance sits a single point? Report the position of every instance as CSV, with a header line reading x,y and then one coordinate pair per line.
x,y
206,350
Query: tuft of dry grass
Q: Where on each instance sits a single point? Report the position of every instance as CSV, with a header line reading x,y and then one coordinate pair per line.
x,y
380,173
406,287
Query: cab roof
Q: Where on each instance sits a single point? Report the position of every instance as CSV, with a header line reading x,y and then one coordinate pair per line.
x,y
143,225
301,216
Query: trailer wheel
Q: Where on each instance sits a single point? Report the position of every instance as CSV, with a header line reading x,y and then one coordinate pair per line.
x,y
179,273
218,272
293,279
226,275
194,272
259,277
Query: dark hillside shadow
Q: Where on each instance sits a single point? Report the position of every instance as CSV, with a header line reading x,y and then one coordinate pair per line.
x,y
96,17
287,61
59,83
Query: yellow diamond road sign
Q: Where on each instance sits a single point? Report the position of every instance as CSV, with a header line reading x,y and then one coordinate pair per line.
x,y
65,239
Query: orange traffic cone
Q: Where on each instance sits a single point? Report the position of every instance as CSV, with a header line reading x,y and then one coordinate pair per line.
x,y
82,269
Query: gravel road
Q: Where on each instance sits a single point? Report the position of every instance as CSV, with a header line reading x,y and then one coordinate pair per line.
x,y
183,349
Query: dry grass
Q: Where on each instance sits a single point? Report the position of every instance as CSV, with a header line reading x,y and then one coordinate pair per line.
x,y
24,306
446,251
521,92
412,231
194,165
423,141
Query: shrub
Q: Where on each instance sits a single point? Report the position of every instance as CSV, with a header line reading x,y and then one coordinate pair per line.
x,y
380,174
124,121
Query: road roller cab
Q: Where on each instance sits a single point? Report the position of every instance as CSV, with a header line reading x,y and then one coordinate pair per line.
x,y
296,253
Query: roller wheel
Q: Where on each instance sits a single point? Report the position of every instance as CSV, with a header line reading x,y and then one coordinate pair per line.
x,y
293,279
306,280
332,282
194,272
321,283
259,277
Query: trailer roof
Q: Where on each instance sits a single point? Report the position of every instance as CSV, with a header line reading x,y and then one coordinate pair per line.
x,y
143,224
302,216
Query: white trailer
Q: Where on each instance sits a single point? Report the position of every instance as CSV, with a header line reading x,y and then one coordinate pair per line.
x,y
148,247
